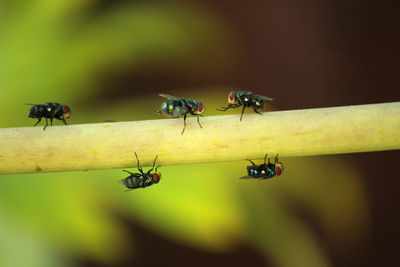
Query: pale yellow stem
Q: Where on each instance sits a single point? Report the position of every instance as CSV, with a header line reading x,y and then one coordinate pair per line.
x,y
223,138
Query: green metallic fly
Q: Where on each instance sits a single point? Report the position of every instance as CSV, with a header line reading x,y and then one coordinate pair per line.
x,y
245,99
176,107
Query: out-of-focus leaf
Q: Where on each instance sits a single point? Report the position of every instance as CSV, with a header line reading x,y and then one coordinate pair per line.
x,y
332,190
65,209
327,188
20,246
195,203
57,53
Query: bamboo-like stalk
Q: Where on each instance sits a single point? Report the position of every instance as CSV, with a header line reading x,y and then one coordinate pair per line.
x,y
223,138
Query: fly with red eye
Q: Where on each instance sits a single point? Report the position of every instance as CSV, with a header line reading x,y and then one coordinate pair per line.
x,y
266,170
176,107
49,111
142,179
245,99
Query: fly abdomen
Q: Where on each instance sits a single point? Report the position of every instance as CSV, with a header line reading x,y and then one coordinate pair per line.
x,y
253,171
37,111
133,181
173,108
257,102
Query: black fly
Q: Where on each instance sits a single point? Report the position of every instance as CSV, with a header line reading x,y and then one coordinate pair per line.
x,y
49,111
142,179
245,99
266,170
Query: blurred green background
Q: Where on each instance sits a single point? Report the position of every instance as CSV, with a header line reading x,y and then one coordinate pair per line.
x,y
108,60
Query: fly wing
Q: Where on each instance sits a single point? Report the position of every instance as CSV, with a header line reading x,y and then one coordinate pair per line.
x,y
244,92
266,98
43,105
248,177
29,104
170,97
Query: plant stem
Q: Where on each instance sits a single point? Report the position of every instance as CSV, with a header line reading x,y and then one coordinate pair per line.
x,y
320,131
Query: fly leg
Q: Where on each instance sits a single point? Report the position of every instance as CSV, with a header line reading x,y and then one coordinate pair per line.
x,y
198,121
39,119
154,163
138,166
63,119
228,107
252,162
224,108
256,111
47,124
242,112
184,123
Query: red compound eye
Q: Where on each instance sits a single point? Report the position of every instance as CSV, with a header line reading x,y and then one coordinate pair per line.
x,y
156,177
278,171
66,109
66,112
231,97
200,107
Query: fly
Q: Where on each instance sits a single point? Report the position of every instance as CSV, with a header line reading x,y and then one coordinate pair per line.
x,y
141,179
176,107
245,99
266,170
49,111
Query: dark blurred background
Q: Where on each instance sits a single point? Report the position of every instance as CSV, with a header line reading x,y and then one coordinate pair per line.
x,y
105,57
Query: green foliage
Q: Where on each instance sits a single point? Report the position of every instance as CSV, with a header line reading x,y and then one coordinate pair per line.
x,y
61,49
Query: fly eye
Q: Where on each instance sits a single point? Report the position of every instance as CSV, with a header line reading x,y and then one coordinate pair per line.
x,y
66,111
278,171
200,107
156,177
231,97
